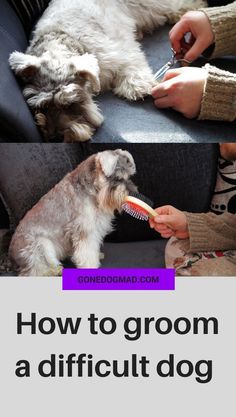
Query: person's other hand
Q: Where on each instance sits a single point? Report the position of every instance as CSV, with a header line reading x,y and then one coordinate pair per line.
x,y
182,90
198,25
170,222
228,151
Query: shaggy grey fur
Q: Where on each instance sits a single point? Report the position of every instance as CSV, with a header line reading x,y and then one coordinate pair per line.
x,y
73,218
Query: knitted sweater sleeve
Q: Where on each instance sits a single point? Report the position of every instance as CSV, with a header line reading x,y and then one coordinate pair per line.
x,y
210,231
223,23
219,98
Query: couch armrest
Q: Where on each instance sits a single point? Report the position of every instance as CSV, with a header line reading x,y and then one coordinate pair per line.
x,y
16,121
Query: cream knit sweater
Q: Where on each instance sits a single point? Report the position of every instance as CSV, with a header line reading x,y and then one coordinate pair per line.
x,y
219,98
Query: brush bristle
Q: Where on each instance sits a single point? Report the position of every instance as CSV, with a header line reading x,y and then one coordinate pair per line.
x,y
137,214
133,208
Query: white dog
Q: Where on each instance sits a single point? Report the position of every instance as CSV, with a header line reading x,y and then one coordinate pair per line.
x,y
72,219
81,47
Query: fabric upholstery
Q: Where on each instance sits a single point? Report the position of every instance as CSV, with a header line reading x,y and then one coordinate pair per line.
x,y
29,11
16,122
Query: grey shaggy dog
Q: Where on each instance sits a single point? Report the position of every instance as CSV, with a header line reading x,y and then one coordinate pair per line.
x,y
72,219
82,47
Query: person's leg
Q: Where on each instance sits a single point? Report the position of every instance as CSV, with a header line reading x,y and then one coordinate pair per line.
x,y
185,263
221,266
177,256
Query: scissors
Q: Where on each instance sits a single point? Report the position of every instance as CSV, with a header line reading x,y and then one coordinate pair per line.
x,y
171,63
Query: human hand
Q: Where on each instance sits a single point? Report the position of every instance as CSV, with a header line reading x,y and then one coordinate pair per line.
x,y
181,89
198,25
228,151
170,222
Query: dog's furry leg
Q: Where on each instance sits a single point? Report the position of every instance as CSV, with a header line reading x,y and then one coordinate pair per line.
x,y
135,79
81,132
93,114
87,253
183,6
39,259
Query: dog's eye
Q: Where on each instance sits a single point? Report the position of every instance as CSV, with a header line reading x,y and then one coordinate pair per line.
x,y
128,161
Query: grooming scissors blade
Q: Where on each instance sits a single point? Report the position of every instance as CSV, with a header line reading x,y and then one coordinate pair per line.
x,y
173,61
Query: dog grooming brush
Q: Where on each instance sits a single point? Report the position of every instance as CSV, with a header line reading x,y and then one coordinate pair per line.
x,y
139,206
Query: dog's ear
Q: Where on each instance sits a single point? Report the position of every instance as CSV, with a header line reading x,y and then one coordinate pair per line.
x,y
86,67
126,161
24,65
108,161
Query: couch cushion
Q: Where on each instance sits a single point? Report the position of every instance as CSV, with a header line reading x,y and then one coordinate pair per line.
x,y
16,122
29,11
145,254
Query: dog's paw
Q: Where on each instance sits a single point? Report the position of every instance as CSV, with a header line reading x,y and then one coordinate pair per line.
x,y
94,115
41,271
78,132
53,271
135,87
97,119
86,263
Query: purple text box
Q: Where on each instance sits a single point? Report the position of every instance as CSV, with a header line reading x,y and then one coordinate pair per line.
x,y
118,279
